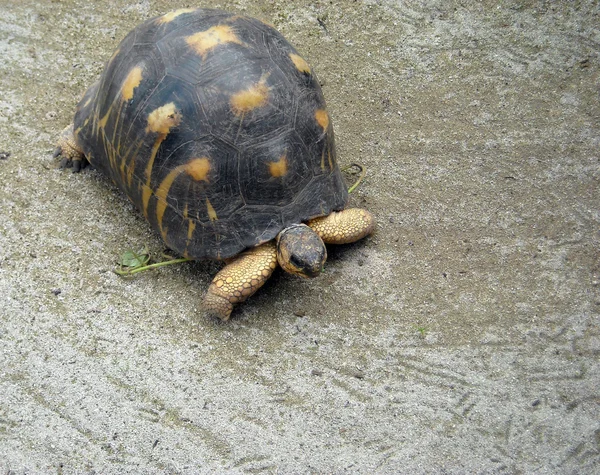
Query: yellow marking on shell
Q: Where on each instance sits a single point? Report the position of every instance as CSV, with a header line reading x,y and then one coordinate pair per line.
x,y
160,121
322,118
198,168
191,228
300,63
212,214
129,172
87,103
146,190
279,168
169,17
252,98
205,41
128,162
323,160
102,122
163,119
132,81
161,196
113,141
108,145
79,129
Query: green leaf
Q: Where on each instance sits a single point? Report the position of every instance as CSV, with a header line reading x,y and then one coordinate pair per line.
x,y
134,259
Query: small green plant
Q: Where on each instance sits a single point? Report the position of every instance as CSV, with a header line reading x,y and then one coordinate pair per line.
x,y
132,262
422,331
132,259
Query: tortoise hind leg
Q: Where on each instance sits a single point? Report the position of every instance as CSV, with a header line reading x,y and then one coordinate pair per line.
x,y
67,148
239,279
343,227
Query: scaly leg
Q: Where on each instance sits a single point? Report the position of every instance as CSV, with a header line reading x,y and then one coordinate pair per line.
x,y
67,148
343,227
239,279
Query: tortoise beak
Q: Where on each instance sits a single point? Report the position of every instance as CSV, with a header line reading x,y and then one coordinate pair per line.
x,y
310,272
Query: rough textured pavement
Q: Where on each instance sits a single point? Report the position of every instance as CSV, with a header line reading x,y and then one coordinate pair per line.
x,y
462,337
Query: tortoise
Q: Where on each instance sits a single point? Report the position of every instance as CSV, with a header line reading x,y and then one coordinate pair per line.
x,y
217,130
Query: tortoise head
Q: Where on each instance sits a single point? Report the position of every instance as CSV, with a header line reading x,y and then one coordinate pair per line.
x,y
301,251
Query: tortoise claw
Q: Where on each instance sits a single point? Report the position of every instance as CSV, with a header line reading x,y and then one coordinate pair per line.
x,y
65,162
77,165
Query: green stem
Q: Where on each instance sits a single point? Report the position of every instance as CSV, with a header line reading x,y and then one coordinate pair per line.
x,y
363,172
152,266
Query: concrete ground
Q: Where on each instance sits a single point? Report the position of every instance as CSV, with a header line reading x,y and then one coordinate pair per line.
x,y
462,337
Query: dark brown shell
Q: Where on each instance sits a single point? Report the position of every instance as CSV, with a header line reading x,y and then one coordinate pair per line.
x,y
216,129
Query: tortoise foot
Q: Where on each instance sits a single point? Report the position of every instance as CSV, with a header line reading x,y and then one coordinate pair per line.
x,y
66,147
344,226
239,279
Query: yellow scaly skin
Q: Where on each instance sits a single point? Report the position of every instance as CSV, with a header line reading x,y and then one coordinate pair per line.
x,y
240,279
343,227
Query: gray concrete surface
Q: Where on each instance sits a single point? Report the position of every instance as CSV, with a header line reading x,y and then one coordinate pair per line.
x,y
463,337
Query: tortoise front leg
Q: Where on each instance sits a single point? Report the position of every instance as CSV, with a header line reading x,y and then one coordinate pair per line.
x,y
239,279
344,226
67,148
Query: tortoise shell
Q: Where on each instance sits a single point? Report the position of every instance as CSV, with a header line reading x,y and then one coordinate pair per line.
x,y
215,128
